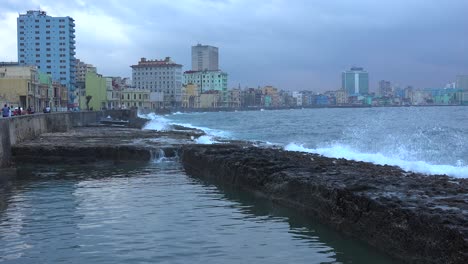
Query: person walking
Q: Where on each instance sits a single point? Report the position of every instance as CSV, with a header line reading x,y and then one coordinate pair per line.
x,y
5,111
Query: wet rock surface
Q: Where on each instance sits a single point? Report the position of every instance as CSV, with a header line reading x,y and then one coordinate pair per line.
x,y
89,144
413,217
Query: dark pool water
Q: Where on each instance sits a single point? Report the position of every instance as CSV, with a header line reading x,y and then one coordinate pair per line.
x,y
155,213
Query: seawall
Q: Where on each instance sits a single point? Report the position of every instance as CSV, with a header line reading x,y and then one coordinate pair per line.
x,y
412,217
17,129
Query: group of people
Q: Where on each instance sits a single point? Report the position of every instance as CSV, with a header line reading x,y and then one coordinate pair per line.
x,y
11,111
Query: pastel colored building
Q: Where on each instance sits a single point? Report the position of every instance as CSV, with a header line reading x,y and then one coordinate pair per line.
x,y
96,88
19,86
136,98
191,96
49,43
207,80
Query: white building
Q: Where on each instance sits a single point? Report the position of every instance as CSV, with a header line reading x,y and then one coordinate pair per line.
x,y
298,97
162,76
205,58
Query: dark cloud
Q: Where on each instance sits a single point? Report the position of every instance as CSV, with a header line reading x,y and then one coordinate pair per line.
x,y
298,44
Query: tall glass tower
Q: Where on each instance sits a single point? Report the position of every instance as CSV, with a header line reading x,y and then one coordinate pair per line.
x,y
355,81
49,43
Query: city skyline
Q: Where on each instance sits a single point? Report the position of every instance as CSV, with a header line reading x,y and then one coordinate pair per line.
x,y
422,50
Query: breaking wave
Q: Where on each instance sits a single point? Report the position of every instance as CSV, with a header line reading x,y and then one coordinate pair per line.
x,y
346,152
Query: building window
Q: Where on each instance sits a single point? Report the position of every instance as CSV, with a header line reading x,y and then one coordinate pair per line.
x,y
38,49
48,38
48,26
38,61
48,20
37,26
47,32
37,38
36,32
21,32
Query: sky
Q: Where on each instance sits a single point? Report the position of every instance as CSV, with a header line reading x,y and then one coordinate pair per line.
x,y
290,44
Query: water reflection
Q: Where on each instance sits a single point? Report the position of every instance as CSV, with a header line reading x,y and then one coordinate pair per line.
x,y
140,213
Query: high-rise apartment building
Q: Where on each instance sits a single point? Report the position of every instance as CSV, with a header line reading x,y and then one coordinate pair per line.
x,y
462,82
355,81
205,58
82,68
385,88
159,76
49,43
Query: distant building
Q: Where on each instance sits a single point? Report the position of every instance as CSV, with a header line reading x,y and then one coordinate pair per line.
x,y
19,85
355,81
81,69
211,99
385,88
207,80
298,97
462,82
49,43
191,96
139,98
162,76
205,58
341,97
96,91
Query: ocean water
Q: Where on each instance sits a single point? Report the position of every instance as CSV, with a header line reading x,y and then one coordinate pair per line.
x,y
430,140
154,213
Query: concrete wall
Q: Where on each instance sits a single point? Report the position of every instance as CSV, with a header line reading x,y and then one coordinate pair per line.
x,y
20,128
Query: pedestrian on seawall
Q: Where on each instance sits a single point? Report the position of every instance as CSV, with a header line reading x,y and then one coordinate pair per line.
x,y
5,111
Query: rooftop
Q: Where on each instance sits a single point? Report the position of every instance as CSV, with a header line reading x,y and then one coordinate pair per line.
x,y
155,63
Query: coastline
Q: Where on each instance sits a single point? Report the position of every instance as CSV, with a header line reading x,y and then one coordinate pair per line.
x,y
165,111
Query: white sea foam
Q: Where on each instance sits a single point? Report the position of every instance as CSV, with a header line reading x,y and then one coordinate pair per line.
x,y
342,151
156,122
212,132
205,140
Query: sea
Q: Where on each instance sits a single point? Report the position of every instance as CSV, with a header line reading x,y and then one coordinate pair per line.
x,y
154,212
430,140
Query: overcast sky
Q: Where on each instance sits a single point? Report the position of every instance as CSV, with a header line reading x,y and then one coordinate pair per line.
x,y
291,44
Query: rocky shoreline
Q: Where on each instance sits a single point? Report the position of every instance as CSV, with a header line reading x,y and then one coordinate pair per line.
x,y
413,217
